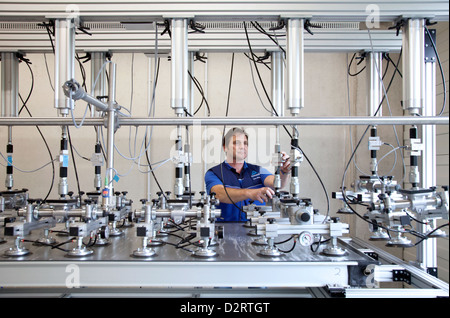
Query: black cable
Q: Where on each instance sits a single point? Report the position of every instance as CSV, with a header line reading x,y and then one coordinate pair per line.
x,y
49,32
376,112
285,241
320,180
427,236
223,135
258,59
257,70
38,129
395,65
36,242
200,89
348,69
261,29
31,88
151,170
180,247
74,163
146,152
291,249
320,242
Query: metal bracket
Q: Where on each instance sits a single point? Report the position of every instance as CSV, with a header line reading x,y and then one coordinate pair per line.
x,y
371,254
335,291
430,55
433,271
401,275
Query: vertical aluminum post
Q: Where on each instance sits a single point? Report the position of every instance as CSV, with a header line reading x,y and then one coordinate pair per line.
x,y
9,104
413,65
179,66
98,88
295,91
179,88
294,65
64,62
190,105
278,83
190,110
10,85
98,77
374,69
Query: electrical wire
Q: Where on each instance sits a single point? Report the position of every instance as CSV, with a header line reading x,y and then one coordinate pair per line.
x,y
74,163
388,105
256,89
358,72
223,136
376,112
22,170
258,27
290,136
292,247
200,89
24,102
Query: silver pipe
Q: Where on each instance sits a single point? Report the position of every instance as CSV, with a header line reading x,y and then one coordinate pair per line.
x,y
426,253
179,98
239,121
278,83
99,73
278,105
74,90
374,92
9,104
64,61
107,197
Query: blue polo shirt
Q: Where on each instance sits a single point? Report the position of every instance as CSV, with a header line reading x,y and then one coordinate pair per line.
x,y
251,177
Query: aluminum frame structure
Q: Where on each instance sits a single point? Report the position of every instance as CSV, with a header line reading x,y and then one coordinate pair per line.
x,y
146,14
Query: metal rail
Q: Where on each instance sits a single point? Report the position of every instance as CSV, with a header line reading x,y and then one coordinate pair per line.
x,y
243,121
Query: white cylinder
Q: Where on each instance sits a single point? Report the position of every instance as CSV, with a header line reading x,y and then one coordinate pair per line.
x,y
64,61
179,66
294,65
413,65
374,83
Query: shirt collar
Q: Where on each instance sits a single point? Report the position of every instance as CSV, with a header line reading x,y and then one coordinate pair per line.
x,y
230,167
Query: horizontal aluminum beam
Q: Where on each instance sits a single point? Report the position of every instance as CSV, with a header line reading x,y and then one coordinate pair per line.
x,y
142,10
213,40
219,121
160,274
419,278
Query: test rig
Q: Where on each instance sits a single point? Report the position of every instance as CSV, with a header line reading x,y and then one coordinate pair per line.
x,y
327,262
